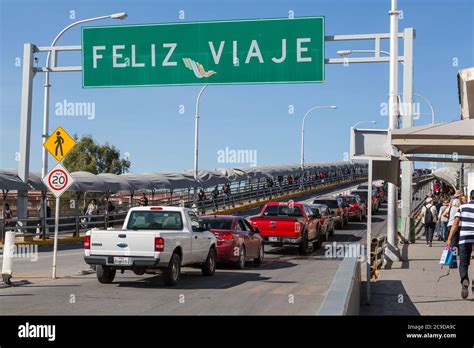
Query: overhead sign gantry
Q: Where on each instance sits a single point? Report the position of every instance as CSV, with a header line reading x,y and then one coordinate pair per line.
x,y
216,52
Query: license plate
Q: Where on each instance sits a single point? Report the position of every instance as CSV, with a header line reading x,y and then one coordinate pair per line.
x,y
122,260
273,239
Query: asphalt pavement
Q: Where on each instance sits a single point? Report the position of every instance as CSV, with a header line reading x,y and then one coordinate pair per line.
x,y
287,284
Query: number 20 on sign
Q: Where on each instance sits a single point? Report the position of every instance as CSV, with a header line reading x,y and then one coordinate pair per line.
x,y
58,180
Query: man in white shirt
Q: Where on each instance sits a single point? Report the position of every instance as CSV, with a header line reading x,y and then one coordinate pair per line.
x,y
464,218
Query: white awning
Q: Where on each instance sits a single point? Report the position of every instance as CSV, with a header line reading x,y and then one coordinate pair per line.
x,y
456,137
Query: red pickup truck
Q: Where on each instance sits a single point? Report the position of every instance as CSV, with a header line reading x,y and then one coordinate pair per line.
x,y
288,223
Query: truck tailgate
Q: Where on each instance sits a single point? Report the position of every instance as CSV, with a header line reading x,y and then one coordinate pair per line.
x,y
123,243
275,226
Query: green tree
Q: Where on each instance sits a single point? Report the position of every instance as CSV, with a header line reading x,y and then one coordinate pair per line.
x,y
92,157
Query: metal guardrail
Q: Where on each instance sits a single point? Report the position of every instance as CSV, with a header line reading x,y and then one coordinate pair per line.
x,y
75,224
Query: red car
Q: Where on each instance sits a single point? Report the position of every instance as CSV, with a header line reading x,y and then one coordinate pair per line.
x,y
237,240
357,209
289,223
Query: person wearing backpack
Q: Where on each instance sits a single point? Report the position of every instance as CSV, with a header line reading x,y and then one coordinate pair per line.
x,y
429,216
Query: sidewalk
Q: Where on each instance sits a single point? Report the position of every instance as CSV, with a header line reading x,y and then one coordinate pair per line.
x,y
414,286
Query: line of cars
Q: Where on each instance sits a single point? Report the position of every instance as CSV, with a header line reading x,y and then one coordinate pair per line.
x,y
164,239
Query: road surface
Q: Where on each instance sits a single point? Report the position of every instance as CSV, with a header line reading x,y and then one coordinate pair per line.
x,y
286,284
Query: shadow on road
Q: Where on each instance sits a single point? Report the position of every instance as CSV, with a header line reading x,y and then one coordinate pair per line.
x,y
344,237
195,281
267,264
61,247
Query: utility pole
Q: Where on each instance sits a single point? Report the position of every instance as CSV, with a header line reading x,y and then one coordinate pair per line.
x,y
393,124
407,166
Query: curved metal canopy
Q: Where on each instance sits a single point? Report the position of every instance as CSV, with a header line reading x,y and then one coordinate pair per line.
x,y
88,182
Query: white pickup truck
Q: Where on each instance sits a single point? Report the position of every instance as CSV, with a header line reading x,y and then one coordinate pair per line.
x,y
152,239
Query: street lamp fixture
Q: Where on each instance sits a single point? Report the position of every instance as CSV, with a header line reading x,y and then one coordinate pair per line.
x,y
120,15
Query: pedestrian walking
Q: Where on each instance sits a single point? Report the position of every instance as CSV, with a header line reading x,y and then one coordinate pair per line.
x,y
92,209
201,200
144,201
429,216
227,194
451,214
110,213
215,196
443,220
464,219
7,215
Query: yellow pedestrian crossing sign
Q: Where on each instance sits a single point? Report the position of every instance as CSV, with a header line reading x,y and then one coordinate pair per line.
x,y
59,144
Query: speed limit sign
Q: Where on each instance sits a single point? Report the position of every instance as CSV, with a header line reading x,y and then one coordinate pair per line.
x,y
58,180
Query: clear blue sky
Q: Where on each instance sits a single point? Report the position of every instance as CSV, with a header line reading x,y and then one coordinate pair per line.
x,y
146,123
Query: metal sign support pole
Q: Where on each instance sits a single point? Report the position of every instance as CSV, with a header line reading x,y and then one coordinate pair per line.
x,y
369,228
56,232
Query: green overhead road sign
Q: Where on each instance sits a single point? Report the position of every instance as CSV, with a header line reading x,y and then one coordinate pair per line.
x,y
218,52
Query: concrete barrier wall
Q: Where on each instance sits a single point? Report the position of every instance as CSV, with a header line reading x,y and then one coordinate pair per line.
x,y
343,297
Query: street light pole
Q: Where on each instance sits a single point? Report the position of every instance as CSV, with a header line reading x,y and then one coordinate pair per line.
x,y
429,104
196,140
302,128
47,85
393,124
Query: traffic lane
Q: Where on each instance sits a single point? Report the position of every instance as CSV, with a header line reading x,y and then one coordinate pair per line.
x,y
70,256
71,261
307,197
294,286
286,284
354,232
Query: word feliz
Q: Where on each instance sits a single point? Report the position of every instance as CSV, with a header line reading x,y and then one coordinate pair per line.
x,y
120,53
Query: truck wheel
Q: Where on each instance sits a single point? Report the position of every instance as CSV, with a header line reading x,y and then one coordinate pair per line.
x,y
240,264
105,274
303,248
319,242
209,267
172,273
261,254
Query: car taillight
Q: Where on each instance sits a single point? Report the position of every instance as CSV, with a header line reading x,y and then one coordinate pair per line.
x,y
297,227
159,244
87,242
225,237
